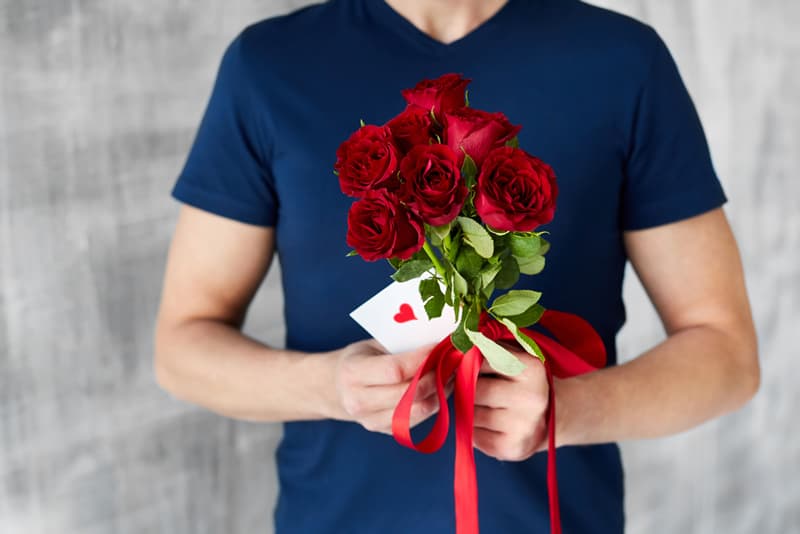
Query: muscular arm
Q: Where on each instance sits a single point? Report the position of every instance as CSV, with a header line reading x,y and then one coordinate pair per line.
x,y
708,364
214,268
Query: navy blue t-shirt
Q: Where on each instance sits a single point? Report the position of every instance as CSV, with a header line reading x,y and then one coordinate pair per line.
x,y
599,98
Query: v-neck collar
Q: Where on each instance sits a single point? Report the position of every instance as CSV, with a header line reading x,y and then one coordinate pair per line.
x,y
386,15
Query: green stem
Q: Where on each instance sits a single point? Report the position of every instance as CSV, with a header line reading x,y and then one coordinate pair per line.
x,y
436,263
447,241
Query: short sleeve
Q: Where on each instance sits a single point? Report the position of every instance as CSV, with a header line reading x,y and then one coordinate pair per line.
x,y
669,175
227,172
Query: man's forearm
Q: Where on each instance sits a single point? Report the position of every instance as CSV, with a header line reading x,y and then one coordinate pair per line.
x,y
694,375
214,365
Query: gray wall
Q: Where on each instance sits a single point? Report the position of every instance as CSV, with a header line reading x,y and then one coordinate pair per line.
x,y
99,103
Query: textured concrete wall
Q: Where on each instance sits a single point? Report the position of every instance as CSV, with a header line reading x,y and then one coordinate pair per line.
x,y
99,103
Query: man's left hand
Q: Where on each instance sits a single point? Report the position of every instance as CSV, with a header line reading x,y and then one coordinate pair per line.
x,y
509,411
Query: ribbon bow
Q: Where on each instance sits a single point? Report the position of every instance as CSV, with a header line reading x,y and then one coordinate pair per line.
x,y
576,349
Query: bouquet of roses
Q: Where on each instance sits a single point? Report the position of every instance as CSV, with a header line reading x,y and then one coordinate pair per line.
x,y
446,194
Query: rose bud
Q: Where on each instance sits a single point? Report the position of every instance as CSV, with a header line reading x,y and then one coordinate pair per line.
x,y
477,132
367,160
433,185
442,95
516,192
380,227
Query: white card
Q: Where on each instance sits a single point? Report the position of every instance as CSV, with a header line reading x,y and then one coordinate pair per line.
x,y
396,318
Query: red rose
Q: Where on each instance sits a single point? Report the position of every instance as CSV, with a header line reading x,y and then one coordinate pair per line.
x,y
444,94
516,192
413,126
367,160
380,227
432,183
477,132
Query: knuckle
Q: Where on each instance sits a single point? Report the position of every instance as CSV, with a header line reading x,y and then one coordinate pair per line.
x,y
371,425
426,387
347,371
353,405
425,407
489,417
508,449
394,371
430,405
493,446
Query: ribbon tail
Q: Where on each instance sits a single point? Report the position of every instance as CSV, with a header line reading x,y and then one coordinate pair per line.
x,y
465,484
552,477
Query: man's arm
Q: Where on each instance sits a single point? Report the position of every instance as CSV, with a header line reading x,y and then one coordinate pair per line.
x,y
707,366
214,268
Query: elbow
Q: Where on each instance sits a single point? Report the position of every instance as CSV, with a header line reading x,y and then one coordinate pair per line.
x,y
748,373
752,382
164,365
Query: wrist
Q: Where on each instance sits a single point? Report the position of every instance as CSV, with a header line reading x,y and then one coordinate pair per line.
x,y
324,394
567,395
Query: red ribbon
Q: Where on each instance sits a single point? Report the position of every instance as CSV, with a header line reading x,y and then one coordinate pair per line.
x,y
576,349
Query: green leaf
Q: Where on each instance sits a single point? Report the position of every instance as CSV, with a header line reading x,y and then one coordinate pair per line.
x,y
514,302
500,240
455,247
477,236
489,273
441,231
352,253
488,289
530,346
513,143
533,265
460,340
459,284
469,321
429,287
362,123
469,206
509,273
545,245
524,246
469,171
466,98
498,357
472,316
496,232
448,296
412,269
468,262
432,297
451,297
434,306
528,317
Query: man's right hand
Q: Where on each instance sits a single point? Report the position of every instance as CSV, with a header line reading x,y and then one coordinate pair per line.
x,y
369,383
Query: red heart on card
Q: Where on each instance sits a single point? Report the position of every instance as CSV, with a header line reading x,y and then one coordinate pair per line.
x,y
405,314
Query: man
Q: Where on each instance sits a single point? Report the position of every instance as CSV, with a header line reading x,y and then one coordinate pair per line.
x,y
601,100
